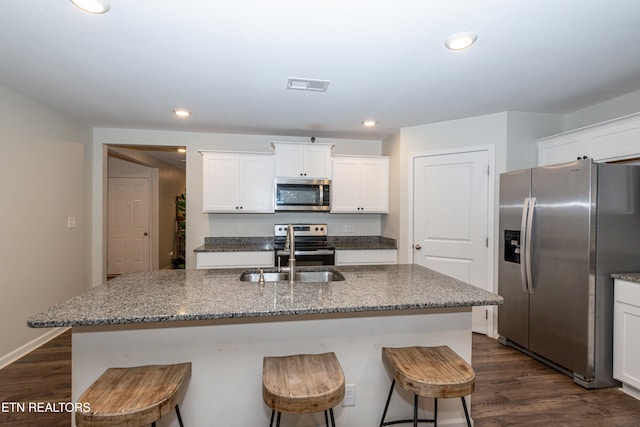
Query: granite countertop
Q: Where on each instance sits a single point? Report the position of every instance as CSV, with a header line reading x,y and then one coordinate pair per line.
x,y
630,277
362,242
176,295
256,244
236,244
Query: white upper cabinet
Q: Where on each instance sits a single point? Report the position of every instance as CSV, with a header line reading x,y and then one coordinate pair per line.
x,y
237,182
563,149
613,140
360,185
296,160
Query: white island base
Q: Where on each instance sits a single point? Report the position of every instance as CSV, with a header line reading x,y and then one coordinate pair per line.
x,y
226,356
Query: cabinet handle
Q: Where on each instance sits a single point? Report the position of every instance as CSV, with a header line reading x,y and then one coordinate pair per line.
x,y
418,247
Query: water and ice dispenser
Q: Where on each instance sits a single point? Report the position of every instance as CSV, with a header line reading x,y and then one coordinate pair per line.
x,y
512,246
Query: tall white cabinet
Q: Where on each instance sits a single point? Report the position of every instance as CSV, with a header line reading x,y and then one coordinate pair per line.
x,y
360,184
237,182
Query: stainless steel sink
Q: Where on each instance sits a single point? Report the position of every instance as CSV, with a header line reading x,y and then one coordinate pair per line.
x,y
328,275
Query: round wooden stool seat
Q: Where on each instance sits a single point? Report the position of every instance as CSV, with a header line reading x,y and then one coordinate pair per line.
x,y
302,383
433,372
136,396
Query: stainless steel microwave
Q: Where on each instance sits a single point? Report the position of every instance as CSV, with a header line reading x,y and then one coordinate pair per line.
x,y
302,195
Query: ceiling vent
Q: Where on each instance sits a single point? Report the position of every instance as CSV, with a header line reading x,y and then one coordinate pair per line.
x,y
308,84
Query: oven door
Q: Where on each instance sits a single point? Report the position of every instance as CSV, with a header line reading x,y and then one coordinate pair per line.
x,y
307,258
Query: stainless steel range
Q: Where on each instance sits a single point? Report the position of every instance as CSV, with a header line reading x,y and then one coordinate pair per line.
x,y
311,246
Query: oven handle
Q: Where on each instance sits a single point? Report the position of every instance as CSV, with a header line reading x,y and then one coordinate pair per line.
x,y
320,252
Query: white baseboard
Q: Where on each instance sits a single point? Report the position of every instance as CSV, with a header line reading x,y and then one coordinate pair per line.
x,y
20,352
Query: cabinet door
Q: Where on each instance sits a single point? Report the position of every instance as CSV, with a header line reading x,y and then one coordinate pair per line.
x,y
615,141
221,182
626,346
234,259
364,257
374,185
563,149
289,160
256,184
317,161
345,186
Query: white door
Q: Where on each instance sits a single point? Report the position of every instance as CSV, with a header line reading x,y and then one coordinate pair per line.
x,y
450,223
128,243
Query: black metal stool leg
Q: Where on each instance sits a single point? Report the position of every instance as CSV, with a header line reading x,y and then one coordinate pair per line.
x,y
466,412
326,419
179,416
384,413
435,412
415,410
278,419
333,421
273,413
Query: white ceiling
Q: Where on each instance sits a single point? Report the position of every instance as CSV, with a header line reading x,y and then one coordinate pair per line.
x,y
229,61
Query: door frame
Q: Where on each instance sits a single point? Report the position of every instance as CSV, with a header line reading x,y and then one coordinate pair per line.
x,y
491,209
153,194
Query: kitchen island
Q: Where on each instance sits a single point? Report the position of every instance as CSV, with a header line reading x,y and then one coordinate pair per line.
x,y
225,327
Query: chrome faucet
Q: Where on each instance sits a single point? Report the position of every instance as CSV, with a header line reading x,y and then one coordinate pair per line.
x,y
290,244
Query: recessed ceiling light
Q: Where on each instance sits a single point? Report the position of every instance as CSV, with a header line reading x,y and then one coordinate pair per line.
x,y
459,41
92,6
181,112
369,123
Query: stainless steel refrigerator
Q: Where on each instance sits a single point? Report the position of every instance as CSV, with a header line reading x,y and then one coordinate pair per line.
x,y
564,229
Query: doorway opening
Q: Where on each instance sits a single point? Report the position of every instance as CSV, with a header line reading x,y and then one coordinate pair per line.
x,y
145,208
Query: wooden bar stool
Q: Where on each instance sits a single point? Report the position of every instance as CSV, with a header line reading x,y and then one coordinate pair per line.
x,y
435,372
134,397
302,383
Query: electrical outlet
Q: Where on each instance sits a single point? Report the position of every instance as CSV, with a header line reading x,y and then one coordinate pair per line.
x,y
345,228
349,395
351,228
71,222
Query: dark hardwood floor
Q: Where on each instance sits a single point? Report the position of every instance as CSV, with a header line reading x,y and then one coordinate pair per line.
x,y
513,389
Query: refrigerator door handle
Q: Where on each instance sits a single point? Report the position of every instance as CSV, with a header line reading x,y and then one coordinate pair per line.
x,y
532,204
523,245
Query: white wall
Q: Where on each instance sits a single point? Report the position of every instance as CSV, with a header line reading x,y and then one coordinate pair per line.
x,y
44,179
611,109
201,225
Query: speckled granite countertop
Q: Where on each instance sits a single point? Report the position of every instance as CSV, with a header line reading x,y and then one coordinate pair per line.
x,y
362,242
255,244
175,295
630,277
236,244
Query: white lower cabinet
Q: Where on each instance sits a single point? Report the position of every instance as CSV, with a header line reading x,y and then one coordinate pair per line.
x,y
234,259
359,257
626,345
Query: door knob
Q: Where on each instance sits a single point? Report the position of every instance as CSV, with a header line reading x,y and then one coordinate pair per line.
x,y
418,247
146,234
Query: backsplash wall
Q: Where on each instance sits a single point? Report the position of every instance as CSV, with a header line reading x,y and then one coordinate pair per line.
x,y
249,225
